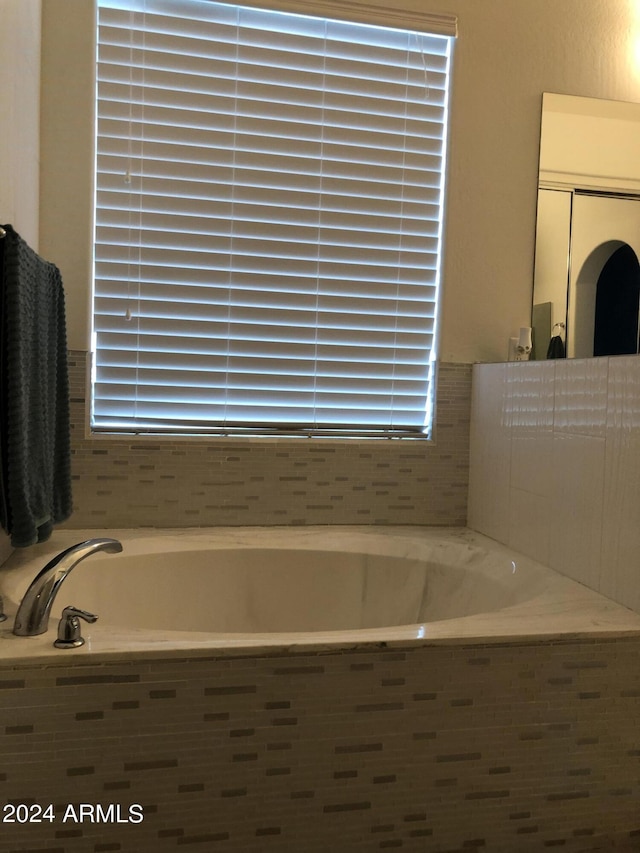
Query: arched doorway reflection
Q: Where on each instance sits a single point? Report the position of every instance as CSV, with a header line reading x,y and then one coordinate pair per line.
x,y
603,269
617,304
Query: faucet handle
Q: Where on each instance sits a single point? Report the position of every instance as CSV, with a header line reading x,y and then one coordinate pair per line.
x,y
69,636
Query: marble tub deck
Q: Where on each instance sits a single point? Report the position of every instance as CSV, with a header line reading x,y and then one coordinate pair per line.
x,y
556,608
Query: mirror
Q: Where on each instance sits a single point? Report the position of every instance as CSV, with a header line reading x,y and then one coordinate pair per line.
x,y
586,291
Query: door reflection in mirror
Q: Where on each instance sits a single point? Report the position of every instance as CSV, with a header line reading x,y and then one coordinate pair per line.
x,y
588,225
603,275
617,301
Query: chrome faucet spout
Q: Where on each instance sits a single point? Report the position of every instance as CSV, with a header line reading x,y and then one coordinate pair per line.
x,y
32,617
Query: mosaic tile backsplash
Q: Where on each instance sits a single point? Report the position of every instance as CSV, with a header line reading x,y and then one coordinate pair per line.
x,y
122,482
441,749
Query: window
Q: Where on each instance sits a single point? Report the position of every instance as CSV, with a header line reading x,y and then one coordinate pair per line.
x,y
269,197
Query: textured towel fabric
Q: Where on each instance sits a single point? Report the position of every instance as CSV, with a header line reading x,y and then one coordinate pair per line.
x,y
556,347
35,446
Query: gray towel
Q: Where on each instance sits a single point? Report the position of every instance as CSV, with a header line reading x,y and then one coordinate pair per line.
x,y
556,348
35,446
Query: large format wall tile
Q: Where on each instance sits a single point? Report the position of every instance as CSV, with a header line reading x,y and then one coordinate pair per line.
x,y
490,450
571,489
531,395
531,402
529,517
620,576
581,396
575,522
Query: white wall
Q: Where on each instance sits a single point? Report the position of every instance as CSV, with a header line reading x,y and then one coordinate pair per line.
x,y
19,126
593,143
507,54
19,116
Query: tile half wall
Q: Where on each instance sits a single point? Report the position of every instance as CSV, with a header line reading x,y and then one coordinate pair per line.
x,y
555,466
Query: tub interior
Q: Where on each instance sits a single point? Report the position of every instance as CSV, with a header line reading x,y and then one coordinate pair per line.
x,y
258,587
239,590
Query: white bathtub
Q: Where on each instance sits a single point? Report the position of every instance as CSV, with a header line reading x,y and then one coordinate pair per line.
x,y
240,588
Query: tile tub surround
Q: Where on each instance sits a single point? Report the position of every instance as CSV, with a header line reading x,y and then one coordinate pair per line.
x,y
504,747
554,471
125,482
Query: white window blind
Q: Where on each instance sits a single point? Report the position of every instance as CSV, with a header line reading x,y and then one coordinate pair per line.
x,y
269,199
